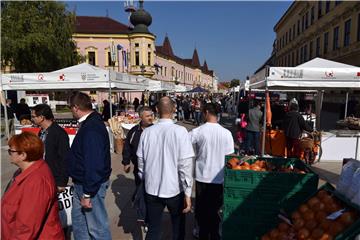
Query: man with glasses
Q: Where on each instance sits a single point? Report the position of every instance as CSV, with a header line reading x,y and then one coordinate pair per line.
x,y
56,142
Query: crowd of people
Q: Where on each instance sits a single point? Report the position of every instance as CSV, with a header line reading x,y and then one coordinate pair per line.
x,y
167,161
163,156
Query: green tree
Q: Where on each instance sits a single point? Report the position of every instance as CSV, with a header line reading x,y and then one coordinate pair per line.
x,y
36,36
234,83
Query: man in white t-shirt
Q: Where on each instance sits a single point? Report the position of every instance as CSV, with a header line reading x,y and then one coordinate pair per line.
x,y
212,142
165,162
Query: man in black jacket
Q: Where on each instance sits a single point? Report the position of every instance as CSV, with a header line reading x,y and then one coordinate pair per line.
x,y
132,142
56,142
294,125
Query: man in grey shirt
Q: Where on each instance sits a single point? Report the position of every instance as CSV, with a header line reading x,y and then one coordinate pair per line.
x,y
252,139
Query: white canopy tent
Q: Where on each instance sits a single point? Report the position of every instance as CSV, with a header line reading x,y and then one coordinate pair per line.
x,y
317,74
82,76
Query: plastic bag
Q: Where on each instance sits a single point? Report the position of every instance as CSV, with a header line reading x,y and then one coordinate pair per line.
x,y
346,175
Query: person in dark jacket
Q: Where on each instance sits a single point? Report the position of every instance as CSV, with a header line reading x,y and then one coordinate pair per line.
x,y
56,142
294,125
129,156
89,166
106,111
132,141
22,110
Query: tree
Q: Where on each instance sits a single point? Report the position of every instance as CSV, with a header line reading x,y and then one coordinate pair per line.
x,y
234,83
37,36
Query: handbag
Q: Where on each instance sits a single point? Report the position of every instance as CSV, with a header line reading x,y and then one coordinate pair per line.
x,y
65,200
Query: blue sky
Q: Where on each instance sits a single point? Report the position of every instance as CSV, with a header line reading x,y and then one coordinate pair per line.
x,y
234,37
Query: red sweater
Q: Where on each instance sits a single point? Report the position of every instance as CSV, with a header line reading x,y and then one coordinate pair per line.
x,y
29,208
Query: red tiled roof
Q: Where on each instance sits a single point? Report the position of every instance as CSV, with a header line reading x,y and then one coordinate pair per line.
x,y
166,47
99,25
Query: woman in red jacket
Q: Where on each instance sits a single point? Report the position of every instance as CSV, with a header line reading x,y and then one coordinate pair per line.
x,y
29,207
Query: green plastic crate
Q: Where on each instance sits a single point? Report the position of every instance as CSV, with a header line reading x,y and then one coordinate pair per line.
x,y
254,199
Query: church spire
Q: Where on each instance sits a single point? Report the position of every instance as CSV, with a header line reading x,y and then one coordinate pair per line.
x,y
195,59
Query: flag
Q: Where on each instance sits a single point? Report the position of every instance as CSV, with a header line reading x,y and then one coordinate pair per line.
x,y
124,58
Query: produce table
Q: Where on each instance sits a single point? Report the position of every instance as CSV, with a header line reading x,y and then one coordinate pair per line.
x,y
70,131
339,144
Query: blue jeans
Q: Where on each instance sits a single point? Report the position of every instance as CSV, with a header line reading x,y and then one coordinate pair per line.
x,y
252,141
92,223
154,210
197,118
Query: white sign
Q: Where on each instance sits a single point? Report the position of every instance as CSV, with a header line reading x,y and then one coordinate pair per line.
x,y
65,200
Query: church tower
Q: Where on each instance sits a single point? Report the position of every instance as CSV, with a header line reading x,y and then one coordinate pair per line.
x,y
142,43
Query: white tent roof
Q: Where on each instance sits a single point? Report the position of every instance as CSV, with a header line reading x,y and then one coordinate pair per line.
x,y
82,76
315,74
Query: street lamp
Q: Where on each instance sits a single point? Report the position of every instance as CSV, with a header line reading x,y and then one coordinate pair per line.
x,y
142,67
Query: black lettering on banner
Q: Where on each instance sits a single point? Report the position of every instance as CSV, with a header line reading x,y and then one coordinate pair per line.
x,y
65,193
67,203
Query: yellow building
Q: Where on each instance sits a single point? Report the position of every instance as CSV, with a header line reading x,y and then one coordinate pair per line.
x,y
326,29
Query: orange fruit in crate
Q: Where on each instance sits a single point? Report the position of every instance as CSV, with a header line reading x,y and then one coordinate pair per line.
x,y
336,228
295,215
320,206
326,236
232,162
298,223
325,224
308,215
303,208
283,227
320,216
317,233
303,234
274,233
322,193
347,218
237,167
311,224
313,201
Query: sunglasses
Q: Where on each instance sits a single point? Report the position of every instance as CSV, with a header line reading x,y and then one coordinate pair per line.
x,y
12,151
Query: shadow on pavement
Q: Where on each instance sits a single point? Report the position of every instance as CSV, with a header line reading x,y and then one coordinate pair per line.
x,y
326,175
123,189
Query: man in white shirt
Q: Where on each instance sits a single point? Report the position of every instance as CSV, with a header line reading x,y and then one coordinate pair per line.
x,y
212,142
165,163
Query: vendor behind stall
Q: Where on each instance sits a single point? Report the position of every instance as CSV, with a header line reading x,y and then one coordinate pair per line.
x,y
294,125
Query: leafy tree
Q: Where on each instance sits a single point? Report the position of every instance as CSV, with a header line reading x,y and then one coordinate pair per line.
x,y
37,36
234,83
226,84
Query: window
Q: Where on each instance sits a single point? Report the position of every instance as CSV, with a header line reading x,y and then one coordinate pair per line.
x,y
149,45
319,9
294,31
136,44
311,50
137,58
283,41
297,57
298,27
280,44
327,6
149,59
305,53
358,28
306,20
336,38
292,59
109,59
290,35
347,33
286,38
288,60
312,17
337,3
92,92
301,54
92,58
317,52
165,71
303,23
326,42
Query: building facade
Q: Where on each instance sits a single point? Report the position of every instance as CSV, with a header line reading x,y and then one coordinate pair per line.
x,y
106,43
326,29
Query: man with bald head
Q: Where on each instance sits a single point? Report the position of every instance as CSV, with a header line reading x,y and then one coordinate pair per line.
x,y
165,164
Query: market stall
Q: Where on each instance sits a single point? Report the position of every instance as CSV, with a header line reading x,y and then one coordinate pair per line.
x,y
79,77
317,74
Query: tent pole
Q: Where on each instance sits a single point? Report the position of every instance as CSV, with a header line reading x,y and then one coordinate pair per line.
x,y
264,124
6,118
111,113
346,104
319,100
